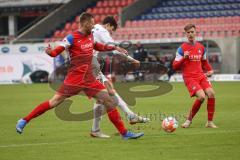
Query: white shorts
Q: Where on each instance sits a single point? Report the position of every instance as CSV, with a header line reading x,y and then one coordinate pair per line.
x,y
101,78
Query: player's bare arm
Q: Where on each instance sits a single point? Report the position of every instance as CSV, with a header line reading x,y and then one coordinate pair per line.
x,y
54,52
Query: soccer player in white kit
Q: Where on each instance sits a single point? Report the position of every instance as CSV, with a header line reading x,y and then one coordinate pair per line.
x,y
102,33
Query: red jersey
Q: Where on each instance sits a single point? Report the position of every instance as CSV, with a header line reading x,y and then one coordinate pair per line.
x,y
194,65
80,48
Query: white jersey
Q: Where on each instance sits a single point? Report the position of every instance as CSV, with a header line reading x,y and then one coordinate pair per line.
x,y
101,35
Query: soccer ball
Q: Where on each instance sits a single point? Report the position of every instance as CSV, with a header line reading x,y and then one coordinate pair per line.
x,y
169,124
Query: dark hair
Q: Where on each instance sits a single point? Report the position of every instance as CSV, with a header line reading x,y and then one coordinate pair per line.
x,y
189,26
111,21
85,17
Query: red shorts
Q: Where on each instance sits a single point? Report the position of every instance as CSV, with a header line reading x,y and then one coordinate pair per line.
x,y
90,89
193,85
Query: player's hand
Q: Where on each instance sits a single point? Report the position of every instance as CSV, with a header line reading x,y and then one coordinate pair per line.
x,y
186,55
48,50
121,50
209,73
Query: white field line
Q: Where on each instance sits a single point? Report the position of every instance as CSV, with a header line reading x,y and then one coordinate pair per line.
x,y
215,131
35,144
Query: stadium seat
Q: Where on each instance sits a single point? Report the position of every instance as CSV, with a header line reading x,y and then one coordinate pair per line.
x,y
57,34
111,4
74,26
113,10
99,4
67,26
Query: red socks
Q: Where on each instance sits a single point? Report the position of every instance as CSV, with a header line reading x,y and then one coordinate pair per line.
x,y
115,118
196,106
211,108
40,109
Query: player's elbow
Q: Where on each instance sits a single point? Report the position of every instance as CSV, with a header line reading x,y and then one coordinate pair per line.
x,y
175,66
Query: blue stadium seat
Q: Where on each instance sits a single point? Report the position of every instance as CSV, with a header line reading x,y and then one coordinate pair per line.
x,y
226,7
178,3
203,2
154,10
220,7
159,10
213,7
175,9
186,9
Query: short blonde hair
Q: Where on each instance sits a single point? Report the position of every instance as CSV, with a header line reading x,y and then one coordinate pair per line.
x,y
189,26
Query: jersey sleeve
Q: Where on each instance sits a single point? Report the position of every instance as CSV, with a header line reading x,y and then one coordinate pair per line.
x,y
179,54
106,38
204,57
67,41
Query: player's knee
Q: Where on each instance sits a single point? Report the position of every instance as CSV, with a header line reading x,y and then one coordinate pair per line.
x,y
211,94
201,97
56,100
111,92
109,102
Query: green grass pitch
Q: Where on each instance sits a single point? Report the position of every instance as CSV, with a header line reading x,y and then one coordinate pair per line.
x,y
48,137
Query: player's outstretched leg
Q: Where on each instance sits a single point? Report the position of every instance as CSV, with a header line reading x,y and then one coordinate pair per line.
x,y
195,108
98,110
133,118
39,110
114,115
210,107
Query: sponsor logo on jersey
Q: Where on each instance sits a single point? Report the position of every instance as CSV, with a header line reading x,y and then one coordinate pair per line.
x,y
195,57
87,46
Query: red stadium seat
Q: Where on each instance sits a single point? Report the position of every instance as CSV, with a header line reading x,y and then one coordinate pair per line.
x,y
123,3
77,19
63,34
94,11
106,10
97,18
128,23
236,19
102,17
134,24
105,3
119,9
130,1
74,26
117,3
99,4
113,10
100,10
89,10
111,3
57,34
221,20
67,26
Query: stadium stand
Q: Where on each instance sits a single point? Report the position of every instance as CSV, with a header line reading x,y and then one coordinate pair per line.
x,y
215,18
100,10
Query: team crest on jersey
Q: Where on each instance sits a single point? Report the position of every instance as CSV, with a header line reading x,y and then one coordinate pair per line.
x,y
199,51
193,87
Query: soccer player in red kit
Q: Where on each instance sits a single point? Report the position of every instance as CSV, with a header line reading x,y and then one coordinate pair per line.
x,y
80,77
191,59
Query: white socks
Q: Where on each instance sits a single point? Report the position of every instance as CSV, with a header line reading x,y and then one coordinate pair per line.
x,y
123,106
98,110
